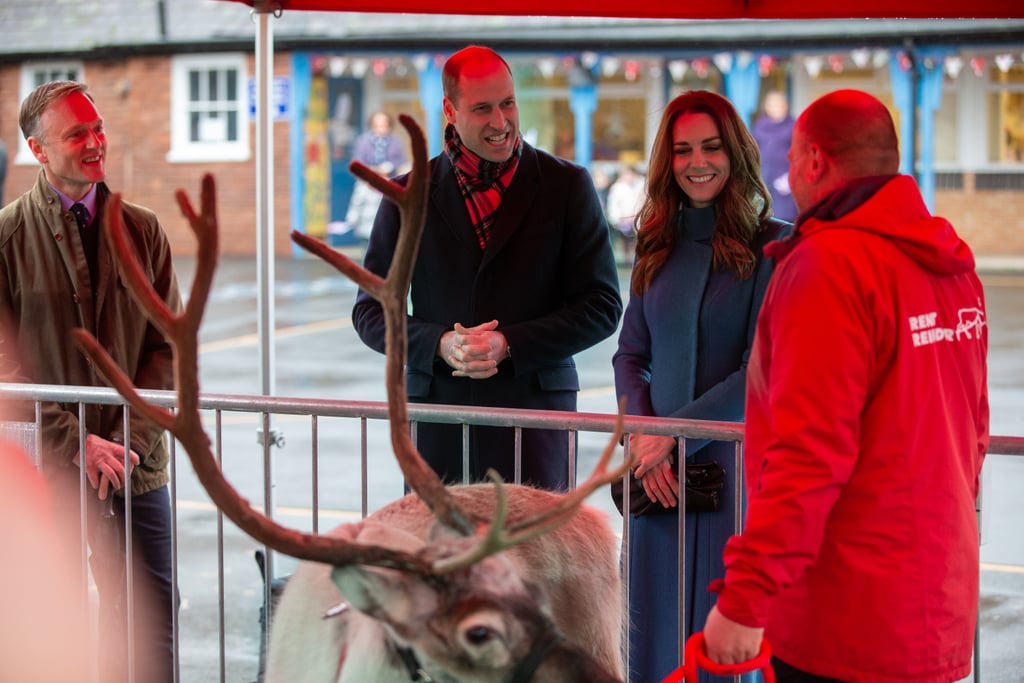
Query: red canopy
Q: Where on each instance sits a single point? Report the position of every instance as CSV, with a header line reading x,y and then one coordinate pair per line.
x,y
676,9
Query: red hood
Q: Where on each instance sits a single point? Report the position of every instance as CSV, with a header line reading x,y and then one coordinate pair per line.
x,y
899,214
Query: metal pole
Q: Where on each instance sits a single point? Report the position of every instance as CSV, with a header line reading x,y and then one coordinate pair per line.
x,y
265,258
265,198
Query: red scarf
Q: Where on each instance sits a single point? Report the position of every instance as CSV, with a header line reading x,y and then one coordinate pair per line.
x,y
482,182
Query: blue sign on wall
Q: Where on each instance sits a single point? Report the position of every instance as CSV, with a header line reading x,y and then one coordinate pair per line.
x,y
280,97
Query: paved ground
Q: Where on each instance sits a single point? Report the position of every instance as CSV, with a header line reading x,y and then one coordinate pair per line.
x,y
318,355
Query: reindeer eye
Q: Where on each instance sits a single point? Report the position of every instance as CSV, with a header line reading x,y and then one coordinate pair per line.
x,y
478,635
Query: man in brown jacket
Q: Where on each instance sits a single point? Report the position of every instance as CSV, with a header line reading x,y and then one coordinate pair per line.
x,y
57,273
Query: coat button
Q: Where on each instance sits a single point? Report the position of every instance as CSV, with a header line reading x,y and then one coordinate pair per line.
x,y
75,298
59,237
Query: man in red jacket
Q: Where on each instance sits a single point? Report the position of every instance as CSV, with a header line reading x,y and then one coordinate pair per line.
x,y
866,425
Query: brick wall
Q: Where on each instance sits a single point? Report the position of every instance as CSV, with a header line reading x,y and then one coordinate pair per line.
x,y
990,220
134,98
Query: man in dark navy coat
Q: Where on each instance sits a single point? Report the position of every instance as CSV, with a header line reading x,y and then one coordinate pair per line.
x,y
514,275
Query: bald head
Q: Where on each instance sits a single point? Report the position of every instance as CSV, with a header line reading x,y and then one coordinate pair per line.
x,y
470,62
855,130
840,137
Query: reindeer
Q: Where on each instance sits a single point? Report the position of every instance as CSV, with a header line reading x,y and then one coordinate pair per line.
x,y
464,584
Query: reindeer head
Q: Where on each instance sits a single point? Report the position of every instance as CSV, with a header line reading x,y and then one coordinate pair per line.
x,y
475,624
441,588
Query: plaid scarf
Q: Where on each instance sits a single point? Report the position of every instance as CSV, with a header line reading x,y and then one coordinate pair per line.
x,y
482,182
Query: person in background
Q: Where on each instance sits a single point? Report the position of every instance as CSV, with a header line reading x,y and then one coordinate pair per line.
x,y
773,131
696,290
867,423
603,176
514,275
381,150
625,197
57,273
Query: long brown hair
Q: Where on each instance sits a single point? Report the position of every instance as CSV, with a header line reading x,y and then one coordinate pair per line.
x,y
741,207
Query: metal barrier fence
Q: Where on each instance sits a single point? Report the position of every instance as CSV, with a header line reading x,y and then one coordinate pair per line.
x,y
587,431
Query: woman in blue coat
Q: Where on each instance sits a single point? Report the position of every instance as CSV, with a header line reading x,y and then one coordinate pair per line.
x,y
696,289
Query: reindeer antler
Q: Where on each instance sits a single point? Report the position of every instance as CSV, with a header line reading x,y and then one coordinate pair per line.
x,y
392,293
499,538
182,331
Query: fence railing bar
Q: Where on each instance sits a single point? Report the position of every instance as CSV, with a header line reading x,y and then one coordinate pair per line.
x,y
221,602
129,553
449,414
172,488
364,467
315,470
266,406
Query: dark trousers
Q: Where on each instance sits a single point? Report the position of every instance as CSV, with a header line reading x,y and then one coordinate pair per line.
x,y
784,673
154,597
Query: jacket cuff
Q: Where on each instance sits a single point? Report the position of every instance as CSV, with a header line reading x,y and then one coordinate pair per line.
x,y
746,607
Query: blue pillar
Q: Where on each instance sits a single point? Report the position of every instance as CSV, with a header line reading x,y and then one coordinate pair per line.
x,y
930,70
743,87
583,103
903,98
431,95
302,79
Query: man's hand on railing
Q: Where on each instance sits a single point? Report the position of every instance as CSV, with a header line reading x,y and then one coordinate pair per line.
x,y
104,464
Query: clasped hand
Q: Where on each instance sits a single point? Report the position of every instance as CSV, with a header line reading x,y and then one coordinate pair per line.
x,y
104,464
653,468
473,352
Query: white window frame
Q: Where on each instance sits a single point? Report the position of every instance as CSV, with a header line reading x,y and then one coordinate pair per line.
x,y
54,70
183,149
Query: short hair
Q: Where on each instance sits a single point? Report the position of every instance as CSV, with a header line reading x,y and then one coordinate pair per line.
x,y
854,128
40,99
457,63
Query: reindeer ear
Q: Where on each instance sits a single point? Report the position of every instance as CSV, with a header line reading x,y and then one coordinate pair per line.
x,y
389,595
400,599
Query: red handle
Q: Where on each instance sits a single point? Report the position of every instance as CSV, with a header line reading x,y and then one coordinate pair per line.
x,y
694,658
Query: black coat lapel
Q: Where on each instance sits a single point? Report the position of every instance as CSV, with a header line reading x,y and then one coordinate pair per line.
x,y
450,207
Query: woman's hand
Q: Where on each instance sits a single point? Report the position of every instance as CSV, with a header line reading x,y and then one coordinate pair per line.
x,y
654,467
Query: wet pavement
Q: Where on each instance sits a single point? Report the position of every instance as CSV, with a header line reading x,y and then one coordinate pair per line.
x,y
318,355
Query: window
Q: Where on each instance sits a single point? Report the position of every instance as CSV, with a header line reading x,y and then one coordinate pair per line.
x,y
1006,115
209,108
33,75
